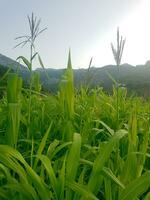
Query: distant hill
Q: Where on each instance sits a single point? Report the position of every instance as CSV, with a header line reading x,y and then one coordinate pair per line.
x,y
8,62
135,78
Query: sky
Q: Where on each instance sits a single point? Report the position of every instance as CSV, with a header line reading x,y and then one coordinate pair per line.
x,y
87,27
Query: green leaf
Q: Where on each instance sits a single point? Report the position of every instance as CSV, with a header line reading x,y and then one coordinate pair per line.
x,y
40,61
26,62
14,160
136,187
73,158
42,146
52,148
61,180
102,158
72,161
5,75
81,189
107,172
34,56
47,164
111,131
108,189
147,197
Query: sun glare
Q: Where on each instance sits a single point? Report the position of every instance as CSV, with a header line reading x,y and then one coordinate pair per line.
x,y
136,28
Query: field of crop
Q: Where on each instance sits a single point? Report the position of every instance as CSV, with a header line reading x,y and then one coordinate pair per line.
x,y
74,145
78,144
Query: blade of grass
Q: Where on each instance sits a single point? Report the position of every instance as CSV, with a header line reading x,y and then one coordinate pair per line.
x,y
136,187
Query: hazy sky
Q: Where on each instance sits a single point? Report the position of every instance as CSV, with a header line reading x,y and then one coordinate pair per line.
x,y
86,26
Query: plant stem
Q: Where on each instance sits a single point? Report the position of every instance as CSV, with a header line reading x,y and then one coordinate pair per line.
x,y
30,90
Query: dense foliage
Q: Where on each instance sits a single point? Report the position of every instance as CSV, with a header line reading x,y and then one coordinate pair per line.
x,y
75,145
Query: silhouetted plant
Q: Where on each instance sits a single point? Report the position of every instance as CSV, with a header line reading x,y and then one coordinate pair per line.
x,y
117,53
34,25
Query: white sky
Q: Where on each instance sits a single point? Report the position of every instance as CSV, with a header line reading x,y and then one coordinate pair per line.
x,y
86,26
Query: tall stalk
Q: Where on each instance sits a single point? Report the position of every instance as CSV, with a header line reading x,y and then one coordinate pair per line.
x,y
29,107
117,53
34,32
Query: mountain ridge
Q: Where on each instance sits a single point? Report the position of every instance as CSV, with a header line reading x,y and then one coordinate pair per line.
x,y
135,78
9,62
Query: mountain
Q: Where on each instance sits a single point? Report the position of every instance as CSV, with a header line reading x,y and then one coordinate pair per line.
x,y
8,62
135,78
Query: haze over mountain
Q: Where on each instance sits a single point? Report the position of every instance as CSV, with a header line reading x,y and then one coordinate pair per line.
x,y
6,61
135,78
